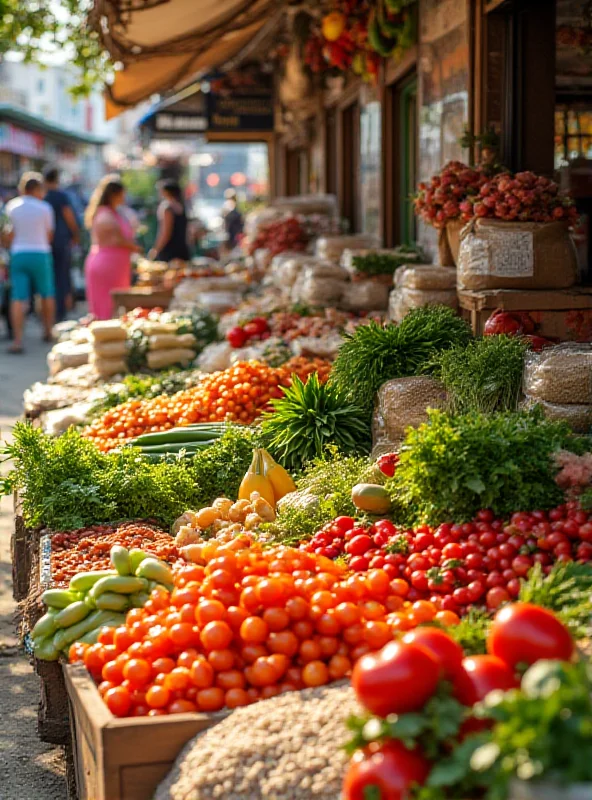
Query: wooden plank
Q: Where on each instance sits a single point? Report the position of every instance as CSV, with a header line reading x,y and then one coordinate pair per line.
x,y
123,759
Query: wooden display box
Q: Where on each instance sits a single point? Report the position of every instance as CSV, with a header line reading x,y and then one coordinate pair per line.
x,y
146,297
122,759
564,314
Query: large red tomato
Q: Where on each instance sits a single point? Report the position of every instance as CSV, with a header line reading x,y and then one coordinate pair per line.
x,y
445,650
392,769
399,678
480,675
523,633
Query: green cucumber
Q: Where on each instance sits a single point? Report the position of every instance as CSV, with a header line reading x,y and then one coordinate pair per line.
x,y
118,584
120,559
191,447
86,580
136,556
188,433
59,598
72,614
111,601
44,627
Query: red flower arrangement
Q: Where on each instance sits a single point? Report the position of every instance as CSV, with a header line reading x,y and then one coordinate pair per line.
x,y
446,196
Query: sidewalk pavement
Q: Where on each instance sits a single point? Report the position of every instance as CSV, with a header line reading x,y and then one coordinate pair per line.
x,y
29,769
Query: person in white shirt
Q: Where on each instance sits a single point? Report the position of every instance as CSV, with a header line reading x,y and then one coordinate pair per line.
x,y
31,268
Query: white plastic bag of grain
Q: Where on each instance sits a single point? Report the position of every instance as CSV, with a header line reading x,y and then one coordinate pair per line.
x,y
59,420
215,357
159,359
107,367
365,296
108,330
270,750
66,355
325,269
116,349
286,267
561,374
330,248
425,276
578,417
326,346
396,306
403,403
171,341
417,298
318,291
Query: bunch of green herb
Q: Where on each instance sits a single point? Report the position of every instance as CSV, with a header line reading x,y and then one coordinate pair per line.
x,y
324,492
202,324
311,416
542,732
566,591
485,376
145,387
219,470
67,483
137,343
376,353
376,263
452,466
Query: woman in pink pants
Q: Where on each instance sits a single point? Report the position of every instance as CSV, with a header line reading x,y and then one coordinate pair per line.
x,y
108,264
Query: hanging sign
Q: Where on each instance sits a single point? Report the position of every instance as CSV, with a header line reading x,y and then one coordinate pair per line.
x,y
178,122
240,101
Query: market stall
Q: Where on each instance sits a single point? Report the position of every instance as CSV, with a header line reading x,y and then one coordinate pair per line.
x,y
277,490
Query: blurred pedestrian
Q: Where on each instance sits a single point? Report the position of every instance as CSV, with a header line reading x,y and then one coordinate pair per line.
x,y
31,265
66,234
233,219
171,238
108,264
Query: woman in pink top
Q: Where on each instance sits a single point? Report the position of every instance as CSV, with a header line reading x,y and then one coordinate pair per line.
x,y
108,264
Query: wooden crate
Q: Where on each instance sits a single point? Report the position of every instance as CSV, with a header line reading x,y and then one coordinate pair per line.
x,y
144,296
122,759
564,314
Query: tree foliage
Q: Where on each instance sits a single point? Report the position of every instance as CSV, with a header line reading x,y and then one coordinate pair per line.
x,y
37,28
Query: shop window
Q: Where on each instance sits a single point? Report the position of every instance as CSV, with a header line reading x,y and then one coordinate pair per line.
x,y
370,168
400,161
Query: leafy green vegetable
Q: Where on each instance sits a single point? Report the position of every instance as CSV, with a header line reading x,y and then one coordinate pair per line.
x,y
452,466
311,416
219,470
471,632
324,492
566,590
486,376
146,387
539,734
386,263
376,353
67,483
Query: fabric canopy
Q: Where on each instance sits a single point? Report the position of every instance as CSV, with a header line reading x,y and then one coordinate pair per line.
x,y
164,43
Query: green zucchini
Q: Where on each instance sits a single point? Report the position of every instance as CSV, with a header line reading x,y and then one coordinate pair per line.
x,y
188,433
176,447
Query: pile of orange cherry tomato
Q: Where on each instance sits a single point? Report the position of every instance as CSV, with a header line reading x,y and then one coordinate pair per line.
x,y
246,623
238,394
88,549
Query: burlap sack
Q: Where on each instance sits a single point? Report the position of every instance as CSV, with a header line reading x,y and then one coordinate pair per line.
x,y
516,255
114,349
366,295
425,277
403,403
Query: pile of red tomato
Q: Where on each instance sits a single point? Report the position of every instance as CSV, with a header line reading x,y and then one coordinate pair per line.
x,y
406,674
255,330
246,624
457,566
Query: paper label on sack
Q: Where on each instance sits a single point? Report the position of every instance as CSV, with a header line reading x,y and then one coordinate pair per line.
x,y
474,256
511,253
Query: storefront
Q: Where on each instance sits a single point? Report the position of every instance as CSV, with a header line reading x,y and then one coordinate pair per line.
x,y
27,142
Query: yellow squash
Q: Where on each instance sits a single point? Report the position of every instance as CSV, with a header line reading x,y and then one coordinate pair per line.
x,y
281,481
255,481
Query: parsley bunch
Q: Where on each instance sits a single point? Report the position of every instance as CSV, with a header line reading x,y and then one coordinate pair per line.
x,y
452,466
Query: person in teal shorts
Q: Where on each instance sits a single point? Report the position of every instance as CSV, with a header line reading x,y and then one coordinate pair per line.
x,y
32,223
